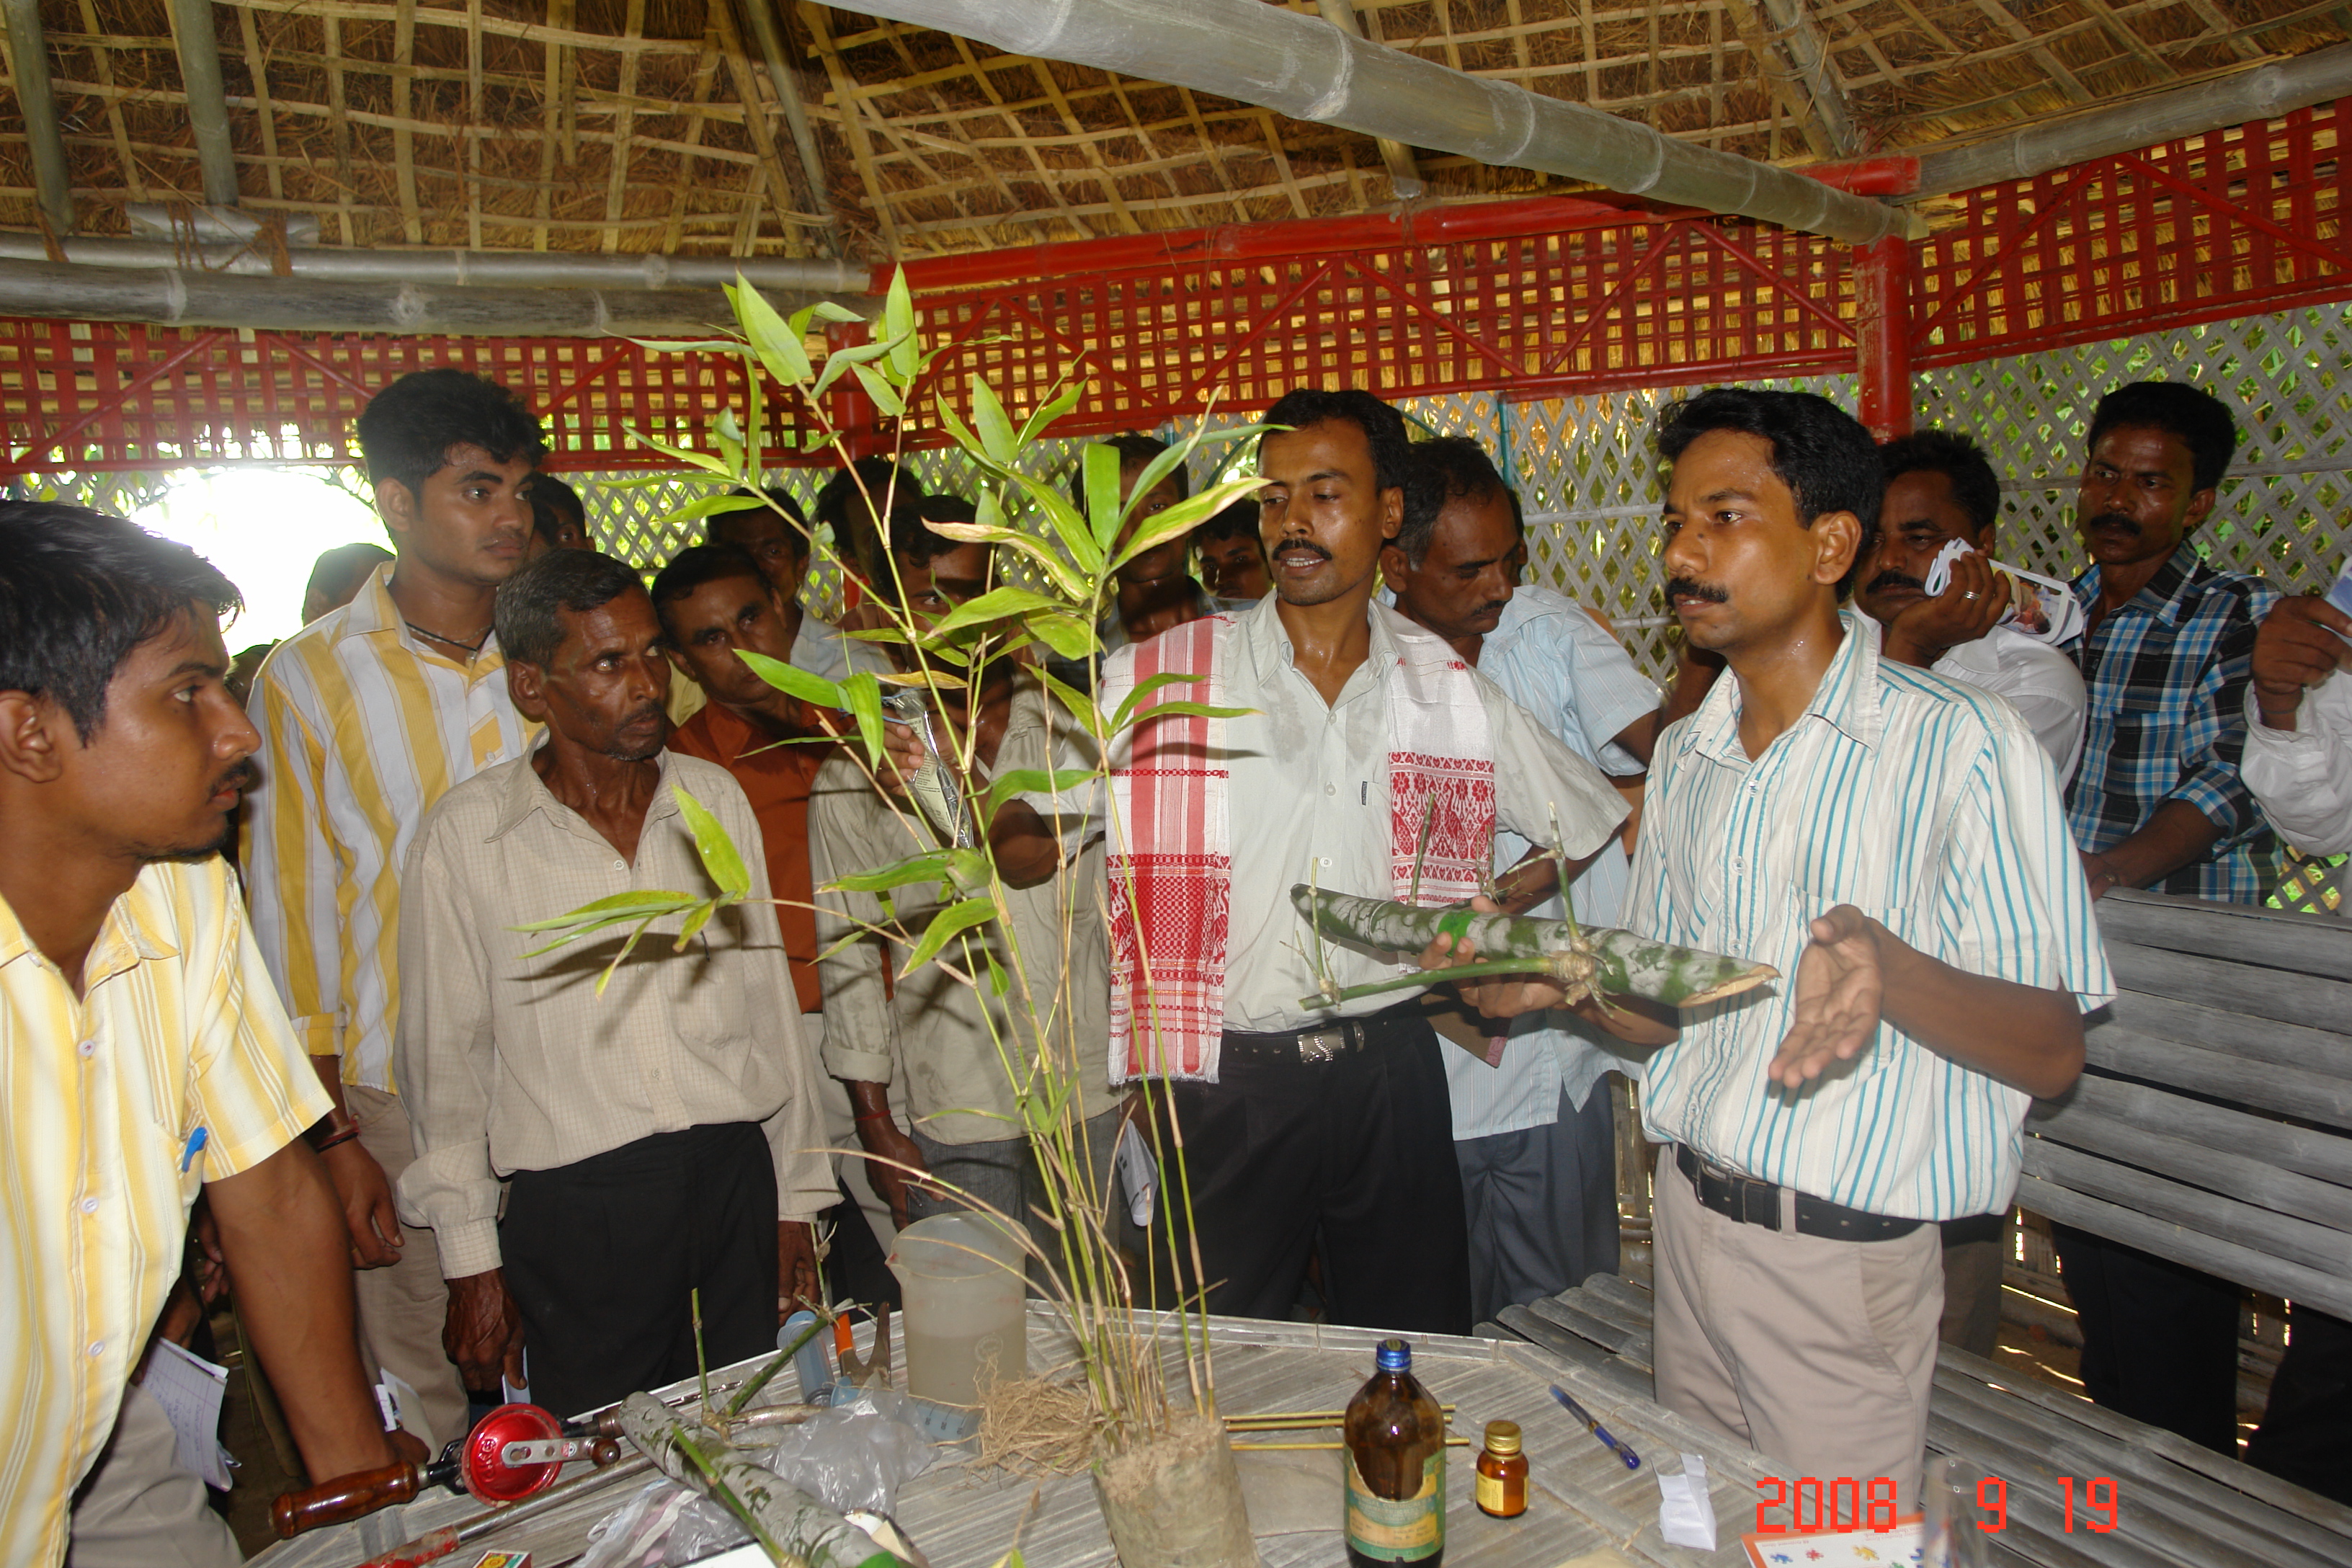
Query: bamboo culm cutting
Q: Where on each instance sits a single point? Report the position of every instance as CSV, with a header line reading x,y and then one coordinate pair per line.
x,y
794,1527
1590,959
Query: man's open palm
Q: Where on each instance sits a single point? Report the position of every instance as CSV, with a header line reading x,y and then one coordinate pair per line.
x,y
1839,987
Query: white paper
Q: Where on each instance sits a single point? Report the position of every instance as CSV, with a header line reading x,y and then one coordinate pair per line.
x,y
1686,1516
189,1388
404,1406
2039,607
1138,1173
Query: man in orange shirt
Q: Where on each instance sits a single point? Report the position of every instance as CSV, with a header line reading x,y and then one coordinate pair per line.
x,y
713,600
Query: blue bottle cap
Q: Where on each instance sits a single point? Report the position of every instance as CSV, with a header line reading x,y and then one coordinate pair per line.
x,y
1395,1355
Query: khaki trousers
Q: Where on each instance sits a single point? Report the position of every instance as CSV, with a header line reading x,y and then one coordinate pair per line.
x,y
840,1118
404,1306
138,1509
1819,1353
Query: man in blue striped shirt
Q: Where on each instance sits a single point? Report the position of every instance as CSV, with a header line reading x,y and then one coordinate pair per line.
x,y
1892,842
2158,803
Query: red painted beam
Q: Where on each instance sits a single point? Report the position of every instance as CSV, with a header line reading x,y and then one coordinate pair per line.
x,y
1889,177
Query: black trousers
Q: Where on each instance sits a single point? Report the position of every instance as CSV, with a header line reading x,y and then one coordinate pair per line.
x,y
602,1257
1353,1157
2307,1435
2159,1339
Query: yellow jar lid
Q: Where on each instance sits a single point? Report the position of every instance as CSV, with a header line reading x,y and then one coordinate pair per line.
x,y
1501,1436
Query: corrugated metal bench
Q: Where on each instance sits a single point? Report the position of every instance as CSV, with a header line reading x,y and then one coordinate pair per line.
x,y
2218,1003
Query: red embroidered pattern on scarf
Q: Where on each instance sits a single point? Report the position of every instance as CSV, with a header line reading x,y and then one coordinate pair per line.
x,y
1461,828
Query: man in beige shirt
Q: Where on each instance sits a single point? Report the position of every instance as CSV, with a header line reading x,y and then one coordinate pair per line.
x,y
928,1030
656,1139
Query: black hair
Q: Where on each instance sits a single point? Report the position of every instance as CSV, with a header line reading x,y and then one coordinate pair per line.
x,y
551,503
912,541
2202,421
345,561
1239,520
720,524
1976,488
408,430
1448,467
695,567
79,590
855,536
1819,450
1134,452
530,627
1382,426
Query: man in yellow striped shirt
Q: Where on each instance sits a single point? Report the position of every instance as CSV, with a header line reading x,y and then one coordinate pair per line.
x,y
141,1055
367,716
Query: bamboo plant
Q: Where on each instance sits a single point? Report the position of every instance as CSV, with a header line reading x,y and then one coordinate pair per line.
x,y
1069,559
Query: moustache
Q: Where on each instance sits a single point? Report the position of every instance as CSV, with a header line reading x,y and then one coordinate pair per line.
x,y
1692,588
2113,519
1302,544
242,777
1890,578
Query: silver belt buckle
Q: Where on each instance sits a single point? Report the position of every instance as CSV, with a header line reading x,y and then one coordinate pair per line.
x,y
1320,1045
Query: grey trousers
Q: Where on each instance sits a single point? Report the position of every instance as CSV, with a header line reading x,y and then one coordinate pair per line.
x,y
1542,1206
139,1508
404,1306
1001,1172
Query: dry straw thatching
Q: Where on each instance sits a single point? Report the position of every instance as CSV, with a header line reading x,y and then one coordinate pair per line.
x,y
653,125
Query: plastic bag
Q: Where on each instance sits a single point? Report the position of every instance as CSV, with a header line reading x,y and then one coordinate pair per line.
x,y
662,1523
853,1454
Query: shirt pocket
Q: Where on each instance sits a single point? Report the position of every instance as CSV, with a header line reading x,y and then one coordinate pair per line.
x,y
708,1011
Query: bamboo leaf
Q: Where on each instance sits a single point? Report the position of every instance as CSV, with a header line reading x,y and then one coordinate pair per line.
x,y
1157,470
1060,401
779,348
1053,566
1080,706
955,918
1029,781
682,346
694,924
841,361
719,857
1072,530
1196,710
706,506
898,327
863,695
645,902
995,430
1183,517
1064,632
687,455
931,866
1105,506
996,604
832,311
1144,689
793,681
886,396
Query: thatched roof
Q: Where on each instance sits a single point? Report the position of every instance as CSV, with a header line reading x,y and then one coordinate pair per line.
x,y
653,125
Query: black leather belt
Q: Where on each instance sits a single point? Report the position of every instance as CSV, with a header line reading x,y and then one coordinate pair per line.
x,y
1324,1043
1751,1201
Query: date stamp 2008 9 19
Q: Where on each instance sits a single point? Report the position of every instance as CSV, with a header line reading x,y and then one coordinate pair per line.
x,y
1843,1505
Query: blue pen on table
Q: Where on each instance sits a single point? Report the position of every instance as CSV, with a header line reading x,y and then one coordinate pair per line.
x,y
1633,1460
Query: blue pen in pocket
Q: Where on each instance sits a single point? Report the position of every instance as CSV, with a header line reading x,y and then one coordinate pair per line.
x,y
197,1142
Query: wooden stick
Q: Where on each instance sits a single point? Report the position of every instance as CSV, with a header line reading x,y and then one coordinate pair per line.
x,y
1451,1442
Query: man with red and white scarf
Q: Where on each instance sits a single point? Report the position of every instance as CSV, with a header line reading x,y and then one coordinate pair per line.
x,y
1368,759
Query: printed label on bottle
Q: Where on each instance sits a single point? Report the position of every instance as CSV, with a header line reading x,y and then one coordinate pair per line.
x,y
1409,1531
1490,1492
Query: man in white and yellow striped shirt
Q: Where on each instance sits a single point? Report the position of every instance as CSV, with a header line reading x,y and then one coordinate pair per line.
x,y
367,715
142,1056
1892,842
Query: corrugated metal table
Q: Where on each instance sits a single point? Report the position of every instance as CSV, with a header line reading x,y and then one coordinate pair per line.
x,y
1581,1497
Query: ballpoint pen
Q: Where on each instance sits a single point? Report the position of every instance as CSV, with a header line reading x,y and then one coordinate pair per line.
x,y
1633,1460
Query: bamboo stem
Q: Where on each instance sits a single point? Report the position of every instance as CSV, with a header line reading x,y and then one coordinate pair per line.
x,y
1451,1442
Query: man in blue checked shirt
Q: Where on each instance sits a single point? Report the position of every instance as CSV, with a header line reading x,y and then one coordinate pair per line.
x,y
1892,842
2158,803
1533,1129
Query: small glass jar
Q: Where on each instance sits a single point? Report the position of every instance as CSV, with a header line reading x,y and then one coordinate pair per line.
x,y
1502,1472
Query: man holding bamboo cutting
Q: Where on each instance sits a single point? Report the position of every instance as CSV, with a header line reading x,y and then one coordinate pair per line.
x,y
1366,757
1892,842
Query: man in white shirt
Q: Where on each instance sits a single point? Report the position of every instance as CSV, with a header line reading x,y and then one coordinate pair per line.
x,y
1365,757
1891,843
1533,1130
1940,488
2298,764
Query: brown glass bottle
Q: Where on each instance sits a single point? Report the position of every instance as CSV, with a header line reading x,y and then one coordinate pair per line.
x,y
1395,1467
1502,1489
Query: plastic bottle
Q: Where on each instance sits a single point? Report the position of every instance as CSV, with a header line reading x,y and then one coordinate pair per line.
x,y
1395,1461
1502,1488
